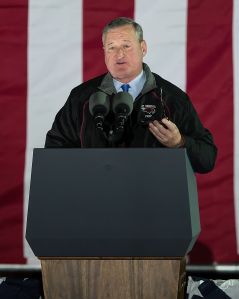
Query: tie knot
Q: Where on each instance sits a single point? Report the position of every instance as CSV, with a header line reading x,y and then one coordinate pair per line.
x,y
125,87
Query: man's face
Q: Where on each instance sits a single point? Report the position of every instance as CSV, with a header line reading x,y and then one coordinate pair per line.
x,y
124,53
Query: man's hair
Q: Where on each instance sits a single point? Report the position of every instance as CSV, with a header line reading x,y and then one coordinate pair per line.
x,y
122,21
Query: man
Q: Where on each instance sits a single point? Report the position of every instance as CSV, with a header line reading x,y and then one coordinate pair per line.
x,y
162,115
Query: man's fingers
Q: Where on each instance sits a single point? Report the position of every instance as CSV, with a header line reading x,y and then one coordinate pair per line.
x,y
169,136
156,132
170,125
159,127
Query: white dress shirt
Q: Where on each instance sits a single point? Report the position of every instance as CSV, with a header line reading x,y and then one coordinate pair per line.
x,y
136,85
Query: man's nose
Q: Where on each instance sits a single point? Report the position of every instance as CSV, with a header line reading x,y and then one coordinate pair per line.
x,y
120,52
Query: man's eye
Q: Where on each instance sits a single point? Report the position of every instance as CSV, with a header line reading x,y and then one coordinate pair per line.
x,y
126,46
110,49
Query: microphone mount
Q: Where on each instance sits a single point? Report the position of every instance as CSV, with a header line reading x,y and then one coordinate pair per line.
x,y
99,106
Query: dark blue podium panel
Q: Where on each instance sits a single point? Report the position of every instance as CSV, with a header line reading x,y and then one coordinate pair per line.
x,y
112,202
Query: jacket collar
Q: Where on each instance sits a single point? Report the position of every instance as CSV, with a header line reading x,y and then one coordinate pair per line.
x,y
107,85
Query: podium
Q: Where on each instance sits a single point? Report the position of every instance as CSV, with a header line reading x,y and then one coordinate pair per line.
x,y
112,223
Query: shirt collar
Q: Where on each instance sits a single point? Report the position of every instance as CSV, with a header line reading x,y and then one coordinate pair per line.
x,y
107,85
136,85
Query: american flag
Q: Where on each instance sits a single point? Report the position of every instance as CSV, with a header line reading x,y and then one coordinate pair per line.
x,y
49,47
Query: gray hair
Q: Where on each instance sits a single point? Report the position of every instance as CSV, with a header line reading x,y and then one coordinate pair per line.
x,y
122,21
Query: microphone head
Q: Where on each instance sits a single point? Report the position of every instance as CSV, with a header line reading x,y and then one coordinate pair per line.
x,y
122,103
99,103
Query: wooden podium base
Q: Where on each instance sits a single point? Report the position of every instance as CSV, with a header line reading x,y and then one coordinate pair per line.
x,y
113,278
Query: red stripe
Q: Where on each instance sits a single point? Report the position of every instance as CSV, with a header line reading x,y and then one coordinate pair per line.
x,y
95,16
13,86
210,86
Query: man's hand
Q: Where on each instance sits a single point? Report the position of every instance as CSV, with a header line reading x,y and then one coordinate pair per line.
x,y
168,135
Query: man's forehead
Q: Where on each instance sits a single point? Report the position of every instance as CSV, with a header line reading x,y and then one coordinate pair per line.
x,y
113,41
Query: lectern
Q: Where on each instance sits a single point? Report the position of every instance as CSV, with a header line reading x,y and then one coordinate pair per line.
x,y
112,223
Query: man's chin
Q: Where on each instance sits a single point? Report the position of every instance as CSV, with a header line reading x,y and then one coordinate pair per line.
x,y
120,76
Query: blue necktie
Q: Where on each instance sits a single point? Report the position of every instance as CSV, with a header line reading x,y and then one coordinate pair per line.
x,y
125,87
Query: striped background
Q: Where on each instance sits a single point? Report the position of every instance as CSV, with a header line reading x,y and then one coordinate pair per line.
x,y
48,47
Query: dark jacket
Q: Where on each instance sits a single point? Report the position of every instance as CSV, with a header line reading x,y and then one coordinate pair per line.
x,y
74,125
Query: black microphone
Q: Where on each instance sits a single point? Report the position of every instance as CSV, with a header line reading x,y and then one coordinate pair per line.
x,y
122,106
99,106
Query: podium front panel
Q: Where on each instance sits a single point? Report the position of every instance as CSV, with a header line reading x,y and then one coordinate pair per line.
x,y
112,202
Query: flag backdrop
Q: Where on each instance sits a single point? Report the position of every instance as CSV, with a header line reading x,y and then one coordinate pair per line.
x,y
49,47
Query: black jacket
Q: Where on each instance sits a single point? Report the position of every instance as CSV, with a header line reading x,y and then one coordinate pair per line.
x,y
74,125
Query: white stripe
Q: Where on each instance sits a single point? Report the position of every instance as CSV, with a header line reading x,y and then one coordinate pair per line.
x,y
236,111
165,25
54,68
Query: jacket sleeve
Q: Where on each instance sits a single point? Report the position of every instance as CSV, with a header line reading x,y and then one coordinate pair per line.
x,y
65,131
199,143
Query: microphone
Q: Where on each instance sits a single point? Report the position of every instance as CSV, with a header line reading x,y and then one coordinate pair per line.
x,y
99,106
122,106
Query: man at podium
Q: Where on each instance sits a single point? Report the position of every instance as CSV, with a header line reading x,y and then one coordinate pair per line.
x,y
130,106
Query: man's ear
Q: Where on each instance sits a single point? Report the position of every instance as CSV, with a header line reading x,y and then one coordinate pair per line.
x,y
144,47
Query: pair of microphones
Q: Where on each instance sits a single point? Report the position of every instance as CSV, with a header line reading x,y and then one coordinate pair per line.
x,y
121,105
